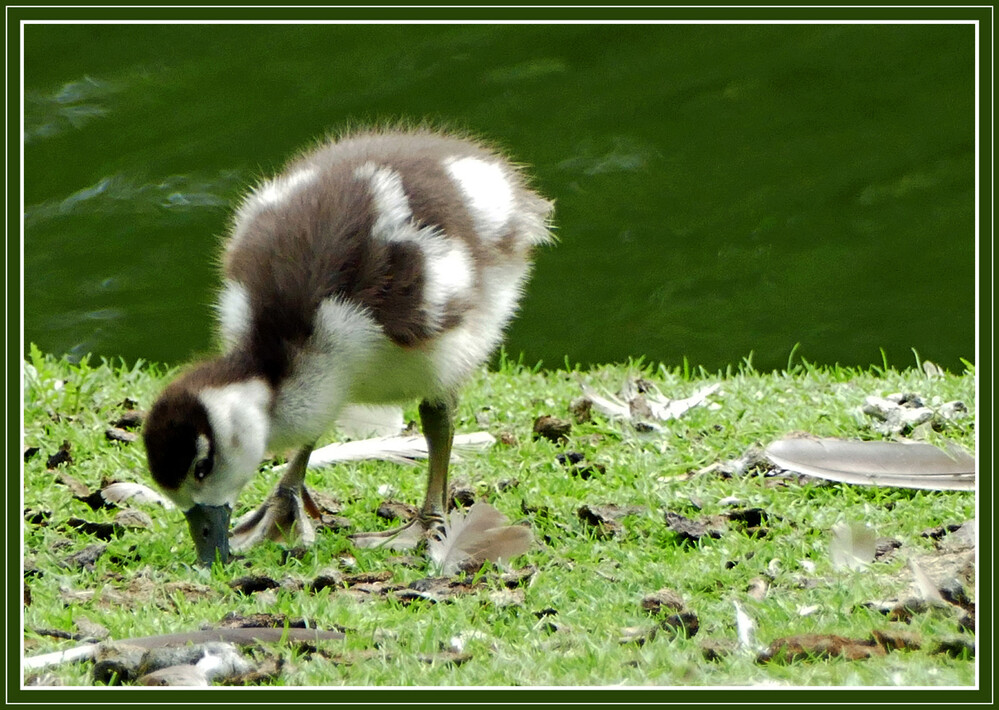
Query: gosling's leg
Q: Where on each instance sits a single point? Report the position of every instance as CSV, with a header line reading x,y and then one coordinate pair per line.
x,y
438,429
285,513
437,418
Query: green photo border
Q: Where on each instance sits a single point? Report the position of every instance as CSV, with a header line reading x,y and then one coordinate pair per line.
x,y
983,15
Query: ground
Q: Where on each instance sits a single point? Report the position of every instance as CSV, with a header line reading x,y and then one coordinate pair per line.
x,y
666,553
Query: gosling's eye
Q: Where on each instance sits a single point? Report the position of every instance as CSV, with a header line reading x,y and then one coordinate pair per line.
x,y
202,468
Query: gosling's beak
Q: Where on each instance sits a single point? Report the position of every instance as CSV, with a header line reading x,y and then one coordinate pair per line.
x,y
210,530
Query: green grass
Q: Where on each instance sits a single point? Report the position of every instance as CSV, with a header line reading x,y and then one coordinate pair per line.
x,y
595,584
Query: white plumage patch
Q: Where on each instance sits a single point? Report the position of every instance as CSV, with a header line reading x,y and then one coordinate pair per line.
x,y
270,193
448,265
392,213
344,335
238,416
276,191
233,310
459,350
345,329
488,192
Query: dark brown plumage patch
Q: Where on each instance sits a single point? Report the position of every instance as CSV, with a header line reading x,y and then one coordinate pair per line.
x,y
395,295
436,201
170,433
316,243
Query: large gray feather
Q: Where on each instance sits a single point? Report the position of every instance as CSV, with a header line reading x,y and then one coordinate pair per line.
x,y
877,463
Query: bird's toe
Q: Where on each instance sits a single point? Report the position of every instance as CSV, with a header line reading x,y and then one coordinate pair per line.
x,y
406,537
284,516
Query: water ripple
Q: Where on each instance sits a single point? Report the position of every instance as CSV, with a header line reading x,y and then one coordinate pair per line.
x,y
124,194
71,107
616,155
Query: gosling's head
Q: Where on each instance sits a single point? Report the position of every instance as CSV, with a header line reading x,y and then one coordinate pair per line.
x,y
203,444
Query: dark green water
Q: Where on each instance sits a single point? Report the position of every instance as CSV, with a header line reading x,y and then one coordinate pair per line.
x,y
720,189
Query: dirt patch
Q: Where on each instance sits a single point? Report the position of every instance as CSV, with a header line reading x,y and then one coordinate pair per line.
x,y
811,647
552,428
692,531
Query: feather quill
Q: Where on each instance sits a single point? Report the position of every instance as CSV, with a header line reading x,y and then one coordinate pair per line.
x,y
242,636
877,463
610,405
481,535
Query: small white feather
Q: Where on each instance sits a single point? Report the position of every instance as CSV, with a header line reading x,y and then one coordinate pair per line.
x,y
610,405
744,627
927,589
665,408
124,491
853,546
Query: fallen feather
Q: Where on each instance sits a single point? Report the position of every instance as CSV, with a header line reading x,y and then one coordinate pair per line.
x,y
459,642
905,413
664,408
398,449
367,420
650,404
186,676
927,589
481,535
853,546
192,665
57,658
245,636
744,627
123,492
877,463
610,406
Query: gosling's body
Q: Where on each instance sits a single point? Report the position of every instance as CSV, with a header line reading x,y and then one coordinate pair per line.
x,y
382,267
